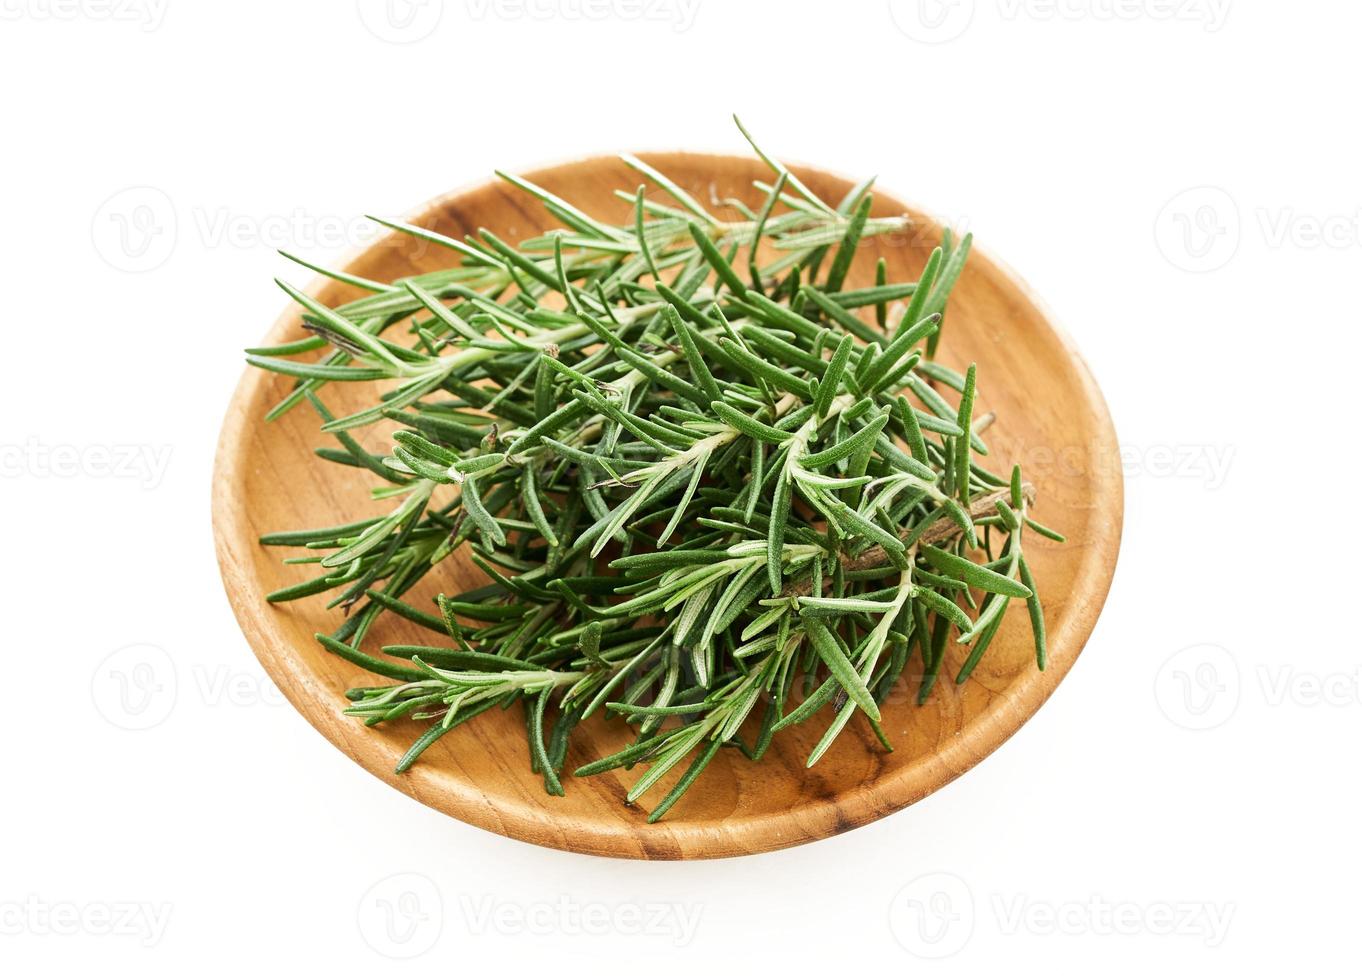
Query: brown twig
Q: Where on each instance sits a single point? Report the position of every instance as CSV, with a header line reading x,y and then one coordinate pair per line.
x,y
940,530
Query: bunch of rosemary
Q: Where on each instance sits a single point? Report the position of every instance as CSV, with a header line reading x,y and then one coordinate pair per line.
x,y
686,465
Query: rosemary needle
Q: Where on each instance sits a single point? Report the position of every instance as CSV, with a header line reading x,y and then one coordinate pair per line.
x,y
690,474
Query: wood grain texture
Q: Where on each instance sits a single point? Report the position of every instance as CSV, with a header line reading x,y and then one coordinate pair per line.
x,y
1051,418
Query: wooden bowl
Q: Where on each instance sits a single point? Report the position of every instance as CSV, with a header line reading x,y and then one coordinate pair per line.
x,y
1051,418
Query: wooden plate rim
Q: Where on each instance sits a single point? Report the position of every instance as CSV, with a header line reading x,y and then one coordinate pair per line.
x,y
819,817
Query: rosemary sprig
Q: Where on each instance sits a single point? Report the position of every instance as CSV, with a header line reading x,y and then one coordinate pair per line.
x,y
685,460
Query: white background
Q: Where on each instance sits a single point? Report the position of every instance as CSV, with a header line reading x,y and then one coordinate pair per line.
x,y
1178,180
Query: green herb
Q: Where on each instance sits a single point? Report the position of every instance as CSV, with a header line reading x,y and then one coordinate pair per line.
x,y
687,467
